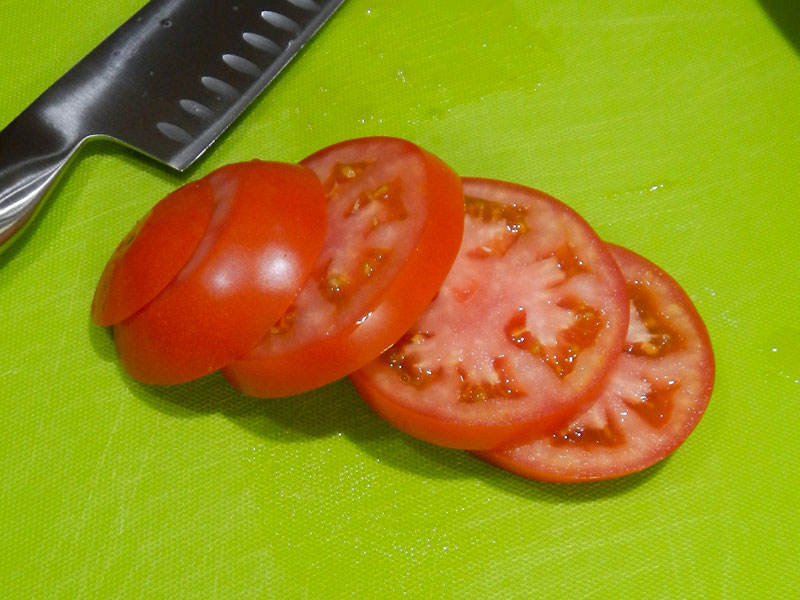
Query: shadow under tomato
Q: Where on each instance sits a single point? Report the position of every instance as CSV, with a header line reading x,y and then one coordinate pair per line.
x,y
330,412
102,341
786,16
337,410
559,493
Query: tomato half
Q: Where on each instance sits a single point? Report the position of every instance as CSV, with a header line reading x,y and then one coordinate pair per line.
x,y
395,220
265,233
524,328
153,252
655,397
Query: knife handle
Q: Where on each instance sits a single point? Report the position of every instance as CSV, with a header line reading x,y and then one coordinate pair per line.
x,y
33,153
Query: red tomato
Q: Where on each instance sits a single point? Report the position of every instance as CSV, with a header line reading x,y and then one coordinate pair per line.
x,y
523,330
153,252
395,219
655,397
264,235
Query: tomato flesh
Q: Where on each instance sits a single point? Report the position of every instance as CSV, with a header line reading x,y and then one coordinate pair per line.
x,y
395,221
523,330
658,390
153,253
265,233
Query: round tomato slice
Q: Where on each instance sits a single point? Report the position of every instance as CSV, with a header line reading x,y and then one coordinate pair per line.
x,y
524,328
653,400
265,233
152,253
395,220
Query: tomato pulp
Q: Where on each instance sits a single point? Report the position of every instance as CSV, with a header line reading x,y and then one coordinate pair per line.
x,y
522,332
395,221
658,391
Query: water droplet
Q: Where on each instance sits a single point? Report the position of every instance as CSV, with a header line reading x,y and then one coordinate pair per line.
x,y
784,352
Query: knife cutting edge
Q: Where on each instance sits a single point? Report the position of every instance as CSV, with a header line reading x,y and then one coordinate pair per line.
x,y
167,83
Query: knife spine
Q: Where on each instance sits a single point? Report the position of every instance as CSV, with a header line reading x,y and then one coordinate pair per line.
x,y
274,48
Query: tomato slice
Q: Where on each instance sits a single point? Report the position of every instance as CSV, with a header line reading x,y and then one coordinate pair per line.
x,y
655,397
266,231
524,328
395,220
152,253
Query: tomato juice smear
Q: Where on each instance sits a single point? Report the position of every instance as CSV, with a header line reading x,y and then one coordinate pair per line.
x,y
656,395
523,329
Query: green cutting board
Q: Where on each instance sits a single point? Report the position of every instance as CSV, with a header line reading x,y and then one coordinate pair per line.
x,y
673,127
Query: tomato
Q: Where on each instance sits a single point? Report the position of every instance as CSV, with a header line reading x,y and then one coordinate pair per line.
x,y
395,220
153,252
265,233
655,397
522,331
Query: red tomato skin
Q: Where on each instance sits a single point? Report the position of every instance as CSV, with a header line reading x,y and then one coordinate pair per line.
x,y
514,460
500,432
152,253
449,434
330,357
264,237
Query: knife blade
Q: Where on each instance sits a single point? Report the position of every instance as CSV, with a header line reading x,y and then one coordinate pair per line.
x,y
167,83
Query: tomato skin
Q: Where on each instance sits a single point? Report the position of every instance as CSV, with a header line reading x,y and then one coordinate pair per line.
x,y
625,430
448,434
152,253
466,374
283,365
264,236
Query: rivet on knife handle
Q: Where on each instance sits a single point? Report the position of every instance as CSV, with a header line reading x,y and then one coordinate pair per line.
x,y
168,82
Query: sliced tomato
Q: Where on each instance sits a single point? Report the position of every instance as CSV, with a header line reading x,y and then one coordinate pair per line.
x,y
655,397
395,220
266,231
152,253
524,329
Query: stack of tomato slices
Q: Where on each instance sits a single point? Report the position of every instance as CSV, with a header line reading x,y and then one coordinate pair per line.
x,y
470,313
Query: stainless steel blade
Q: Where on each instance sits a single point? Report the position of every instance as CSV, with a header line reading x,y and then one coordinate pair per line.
x,y
168,82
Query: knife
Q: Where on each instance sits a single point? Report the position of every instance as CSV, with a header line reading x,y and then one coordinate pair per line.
x,y
167,83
